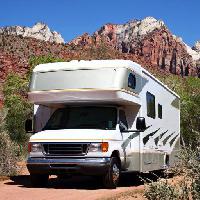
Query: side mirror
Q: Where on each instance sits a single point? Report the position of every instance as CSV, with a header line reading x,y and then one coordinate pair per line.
x,y
29,126
140,124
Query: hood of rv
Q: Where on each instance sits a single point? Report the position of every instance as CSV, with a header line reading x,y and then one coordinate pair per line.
x,y
74,135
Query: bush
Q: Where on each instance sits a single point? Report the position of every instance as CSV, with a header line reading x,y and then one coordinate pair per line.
x,y
188,168
7,150
8,156
164,190
19,109
189,91
190,163
160,190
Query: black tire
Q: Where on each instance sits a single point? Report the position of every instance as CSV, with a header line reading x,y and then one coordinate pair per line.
x,y
39,180
64,176
111,178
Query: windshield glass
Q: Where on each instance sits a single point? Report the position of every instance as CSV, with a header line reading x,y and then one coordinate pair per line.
x,y
83,118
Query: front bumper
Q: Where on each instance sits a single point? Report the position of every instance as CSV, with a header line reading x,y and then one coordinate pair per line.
x,y
55,166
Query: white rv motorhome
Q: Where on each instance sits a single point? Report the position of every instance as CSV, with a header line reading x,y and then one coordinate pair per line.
x,y
100,118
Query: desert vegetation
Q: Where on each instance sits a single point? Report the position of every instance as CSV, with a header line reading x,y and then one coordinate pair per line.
x,y
184,186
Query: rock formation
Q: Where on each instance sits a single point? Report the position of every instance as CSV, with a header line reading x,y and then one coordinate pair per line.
x,y
150,41
39,31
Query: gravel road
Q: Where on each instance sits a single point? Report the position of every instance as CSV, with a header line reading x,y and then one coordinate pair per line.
x,y
84,188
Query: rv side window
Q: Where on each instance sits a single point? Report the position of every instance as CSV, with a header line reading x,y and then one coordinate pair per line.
x,y
151,111
131,81
160,111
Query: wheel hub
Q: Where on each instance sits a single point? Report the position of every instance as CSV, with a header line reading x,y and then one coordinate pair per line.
x,y
115,173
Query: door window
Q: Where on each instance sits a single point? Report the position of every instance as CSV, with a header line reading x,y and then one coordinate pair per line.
x,y
122,120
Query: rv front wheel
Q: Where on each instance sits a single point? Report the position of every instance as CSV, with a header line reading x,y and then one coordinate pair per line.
x,y
39,180
111,178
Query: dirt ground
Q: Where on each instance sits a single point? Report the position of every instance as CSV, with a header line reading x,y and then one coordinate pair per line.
x,y
75,188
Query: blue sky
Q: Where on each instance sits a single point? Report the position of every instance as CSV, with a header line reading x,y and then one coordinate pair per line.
x,y
74,17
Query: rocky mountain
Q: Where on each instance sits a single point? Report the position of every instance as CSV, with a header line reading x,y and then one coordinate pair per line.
x,y
150,41
39,31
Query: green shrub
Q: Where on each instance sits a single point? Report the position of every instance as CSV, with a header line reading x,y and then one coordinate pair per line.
x,y
190,163
19,109
8,156
189,91
188,168
8,149
163,190
160,190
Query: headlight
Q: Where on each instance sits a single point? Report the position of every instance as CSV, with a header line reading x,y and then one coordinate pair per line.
x,y
98,147
95,147
35,147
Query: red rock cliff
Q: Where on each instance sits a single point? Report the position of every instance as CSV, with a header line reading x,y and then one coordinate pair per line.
x,y
149,41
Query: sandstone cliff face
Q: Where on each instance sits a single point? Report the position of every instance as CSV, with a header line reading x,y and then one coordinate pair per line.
x,y
16,52
147,40
39,31
82,40
124,36
196,50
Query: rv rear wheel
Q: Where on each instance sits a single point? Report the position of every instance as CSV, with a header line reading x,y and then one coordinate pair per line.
x,y
39,180
111,178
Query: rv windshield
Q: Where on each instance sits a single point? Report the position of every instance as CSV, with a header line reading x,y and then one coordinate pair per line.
x,y
83,118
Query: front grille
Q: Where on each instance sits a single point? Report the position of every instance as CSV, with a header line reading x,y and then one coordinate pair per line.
x,y
65,149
